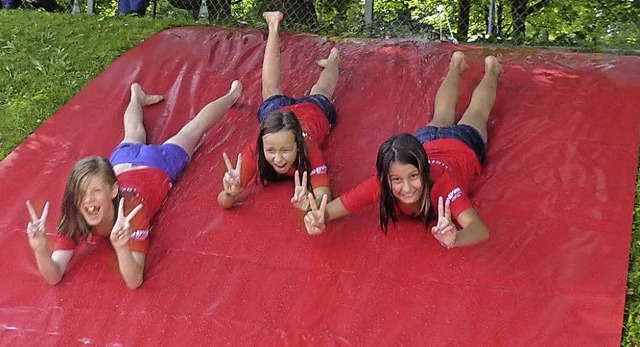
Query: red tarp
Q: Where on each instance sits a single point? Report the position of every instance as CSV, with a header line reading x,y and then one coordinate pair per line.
x,y
557,193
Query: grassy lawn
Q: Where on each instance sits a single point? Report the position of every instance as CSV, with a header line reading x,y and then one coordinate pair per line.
x,y
45,59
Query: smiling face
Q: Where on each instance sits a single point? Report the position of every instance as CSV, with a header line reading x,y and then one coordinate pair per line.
x,y
406,183
95,202
280,150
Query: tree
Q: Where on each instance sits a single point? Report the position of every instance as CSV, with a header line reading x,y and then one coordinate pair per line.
x,y
520,10
464,11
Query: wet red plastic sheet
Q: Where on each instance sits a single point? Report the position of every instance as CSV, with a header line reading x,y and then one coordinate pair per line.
x,y
557,192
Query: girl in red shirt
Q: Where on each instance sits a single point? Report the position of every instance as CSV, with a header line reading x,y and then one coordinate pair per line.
x,y
291,132
433,166
117,198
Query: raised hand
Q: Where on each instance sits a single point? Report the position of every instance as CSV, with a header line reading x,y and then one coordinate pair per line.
x,y
299,199
36,227
231,178
121,231
314,220
445,230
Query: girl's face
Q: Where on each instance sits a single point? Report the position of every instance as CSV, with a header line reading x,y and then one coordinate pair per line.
x,y
95,204
406,183
280,150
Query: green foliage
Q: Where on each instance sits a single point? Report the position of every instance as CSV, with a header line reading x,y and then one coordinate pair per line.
x,y
585,24
631,327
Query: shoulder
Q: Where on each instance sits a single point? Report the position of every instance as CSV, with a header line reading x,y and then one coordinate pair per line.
x,y
64,242
362,195
249,148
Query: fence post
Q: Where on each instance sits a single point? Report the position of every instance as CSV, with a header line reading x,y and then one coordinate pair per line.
x,y
492,17
203,14
368,11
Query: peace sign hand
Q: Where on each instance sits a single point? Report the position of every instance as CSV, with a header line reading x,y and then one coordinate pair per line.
x,y
299,199
121,232
314,220
231,178
445,230
36,228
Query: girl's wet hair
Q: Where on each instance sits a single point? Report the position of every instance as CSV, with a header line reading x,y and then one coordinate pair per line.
x,y
71,223
276,121
402,149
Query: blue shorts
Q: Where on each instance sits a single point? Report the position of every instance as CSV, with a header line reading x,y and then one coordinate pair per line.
x,y
275,102
167,157
463,132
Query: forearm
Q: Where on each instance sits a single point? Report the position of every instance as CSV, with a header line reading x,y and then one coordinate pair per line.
x,y
226,201
335,209
132,270
47,267
472,234
320,192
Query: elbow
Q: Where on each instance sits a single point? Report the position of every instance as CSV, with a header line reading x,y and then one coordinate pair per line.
x,y
53,280
134,284
224,201
485,235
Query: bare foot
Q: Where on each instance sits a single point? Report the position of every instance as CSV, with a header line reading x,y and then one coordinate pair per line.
x,y
333,58
458,62
143,98
236,90
492,65
273,19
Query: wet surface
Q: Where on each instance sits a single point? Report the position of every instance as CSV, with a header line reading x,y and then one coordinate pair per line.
x,y
557,193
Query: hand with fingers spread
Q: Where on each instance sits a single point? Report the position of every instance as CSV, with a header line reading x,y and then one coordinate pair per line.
x,y
36,228
445,230
121,232
231,178
299,199
314,220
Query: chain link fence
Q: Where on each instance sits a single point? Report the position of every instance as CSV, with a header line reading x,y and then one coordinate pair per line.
x,y
591,24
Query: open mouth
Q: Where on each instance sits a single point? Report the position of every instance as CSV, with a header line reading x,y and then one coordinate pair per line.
x,y
280,168
92,211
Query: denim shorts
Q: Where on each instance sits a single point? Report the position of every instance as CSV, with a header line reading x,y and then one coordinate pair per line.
x,y
275,102
167,157
463,132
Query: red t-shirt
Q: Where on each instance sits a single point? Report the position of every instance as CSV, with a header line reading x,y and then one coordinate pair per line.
x,y
148,186
316,128
453,165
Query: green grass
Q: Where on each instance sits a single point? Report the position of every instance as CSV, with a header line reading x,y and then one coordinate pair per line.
x,y
45,59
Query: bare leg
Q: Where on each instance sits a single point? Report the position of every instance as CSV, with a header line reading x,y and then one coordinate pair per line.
x,y
483,97
271,65
328,79
444,113
189,136
134,131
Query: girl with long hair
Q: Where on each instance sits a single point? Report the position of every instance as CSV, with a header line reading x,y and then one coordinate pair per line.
x,y
117,198
427,175
291,132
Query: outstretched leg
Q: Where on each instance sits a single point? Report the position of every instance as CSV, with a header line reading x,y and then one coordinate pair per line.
x,y
328,79
134,131
444,111
189,136
483,97
271,65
